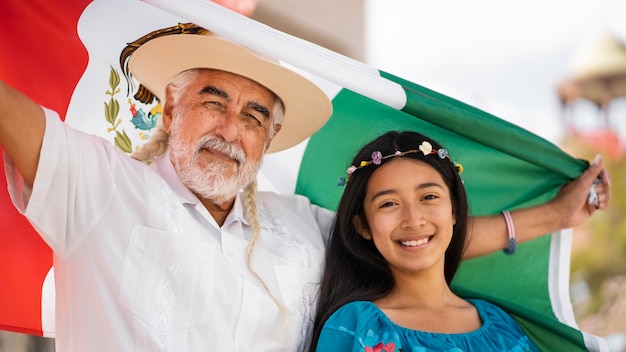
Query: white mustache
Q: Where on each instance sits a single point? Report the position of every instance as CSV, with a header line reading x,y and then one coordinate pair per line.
x,y
218,144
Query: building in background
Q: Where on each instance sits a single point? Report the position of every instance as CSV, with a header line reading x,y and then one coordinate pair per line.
x,y
335,25
598,77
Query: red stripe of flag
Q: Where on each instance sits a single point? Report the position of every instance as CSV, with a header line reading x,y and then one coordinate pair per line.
x,y
41,55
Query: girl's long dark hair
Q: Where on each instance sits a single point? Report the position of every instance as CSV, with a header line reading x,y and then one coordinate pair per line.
x,y
354,269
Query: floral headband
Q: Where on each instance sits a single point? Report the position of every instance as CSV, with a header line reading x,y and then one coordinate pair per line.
x,y
377,157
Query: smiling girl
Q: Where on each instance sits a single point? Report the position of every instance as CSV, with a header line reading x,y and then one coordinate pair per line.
x,y
396,245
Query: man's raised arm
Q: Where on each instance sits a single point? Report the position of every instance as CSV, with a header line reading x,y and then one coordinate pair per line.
x,y
22,125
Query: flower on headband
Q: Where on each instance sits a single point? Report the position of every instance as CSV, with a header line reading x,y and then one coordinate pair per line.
x,y
442,153
351,169
458,167
426,148
377,157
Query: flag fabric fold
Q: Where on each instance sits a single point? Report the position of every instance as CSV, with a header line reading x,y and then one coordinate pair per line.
x,y
505,167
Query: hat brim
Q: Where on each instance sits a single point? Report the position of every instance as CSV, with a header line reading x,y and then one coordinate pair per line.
x,y
307,107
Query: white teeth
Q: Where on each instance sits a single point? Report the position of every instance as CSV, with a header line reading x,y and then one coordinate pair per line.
x,y
414,243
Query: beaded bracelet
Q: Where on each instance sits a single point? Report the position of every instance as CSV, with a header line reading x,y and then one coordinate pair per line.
x,y
510,228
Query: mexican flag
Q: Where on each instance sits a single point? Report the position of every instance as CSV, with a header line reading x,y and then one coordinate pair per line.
x,y
67,57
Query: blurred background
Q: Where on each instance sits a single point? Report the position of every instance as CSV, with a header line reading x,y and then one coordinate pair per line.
x,y
556,68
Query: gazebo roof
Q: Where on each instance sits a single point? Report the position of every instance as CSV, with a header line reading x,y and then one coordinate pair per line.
x,y
598,72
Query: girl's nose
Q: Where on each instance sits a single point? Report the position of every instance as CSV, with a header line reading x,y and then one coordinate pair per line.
x,y
413,219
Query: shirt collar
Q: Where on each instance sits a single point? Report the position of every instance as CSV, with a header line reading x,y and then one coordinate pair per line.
x,y
236,213
163,166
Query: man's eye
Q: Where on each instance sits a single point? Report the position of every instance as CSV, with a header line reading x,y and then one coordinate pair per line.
x,y
252,117
211,104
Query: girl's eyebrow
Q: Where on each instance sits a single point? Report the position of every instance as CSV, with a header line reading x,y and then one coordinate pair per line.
x,y
392,190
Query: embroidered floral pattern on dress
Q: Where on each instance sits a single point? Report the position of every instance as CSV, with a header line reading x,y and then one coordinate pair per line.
x,y
382,347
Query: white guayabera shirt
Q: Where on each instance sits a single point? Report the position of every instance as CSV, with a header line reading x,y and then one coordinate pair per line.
x,y
140,265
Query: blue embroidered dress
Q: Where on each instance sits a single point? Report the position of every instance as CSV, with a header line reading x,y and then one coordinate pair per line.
x,y
362,327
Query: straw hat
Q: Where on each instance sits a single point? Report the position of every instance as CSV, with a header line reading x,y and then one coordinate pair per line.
x,y
307,107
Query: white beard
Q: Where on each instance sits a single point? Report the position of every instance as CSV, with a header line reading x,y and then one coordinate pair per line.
x,y
210,182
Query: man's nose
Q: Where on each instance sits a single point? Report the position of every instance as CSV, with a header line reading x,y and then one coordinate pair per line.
x,y
228,126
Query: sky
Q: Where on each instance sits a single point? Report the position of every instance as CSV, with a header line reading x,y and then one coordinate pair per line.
x,y
505,57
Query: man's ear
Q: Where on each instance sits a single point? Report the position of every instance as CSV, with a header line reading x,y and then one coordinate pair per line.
x,y
166,115
361,228
269,140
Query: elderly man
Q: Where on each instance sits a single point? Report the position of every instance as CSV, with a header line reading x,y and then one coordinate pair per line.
x,y
170,256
